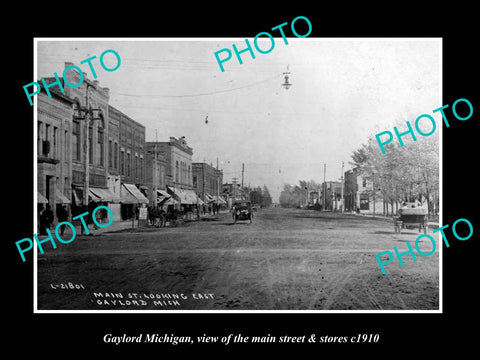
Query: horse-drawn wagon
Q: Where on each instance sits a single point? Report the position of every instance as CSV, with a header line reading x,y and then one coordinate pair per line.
x,y
411,216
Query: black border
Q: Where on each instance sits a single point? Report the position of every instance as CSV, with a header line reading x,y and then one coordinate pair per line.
x,y
83,333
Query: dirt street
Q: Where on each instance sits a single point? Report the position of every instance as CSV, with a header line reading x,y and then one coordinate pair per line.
x,y
285,260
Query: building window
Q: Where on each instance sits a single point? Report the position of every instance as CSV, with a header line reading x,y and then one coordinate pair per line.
x,y
135,169
195,181
141,169
66,187
55,142
100,144
46,142
364,183
128,164
39,138
115,157
76,140
176,171
110,154
65,145
122,162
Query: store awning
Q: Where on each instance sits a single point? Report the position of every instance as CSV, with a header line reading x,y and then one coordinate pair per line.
x,y
77,196
178,195
162,197
93,197
210,198
135,192
104,194
41,199
192,197
127,198
61,199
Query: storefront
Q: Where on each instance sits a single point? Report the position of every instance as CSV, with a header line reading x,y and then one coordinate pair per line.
x,y
131,198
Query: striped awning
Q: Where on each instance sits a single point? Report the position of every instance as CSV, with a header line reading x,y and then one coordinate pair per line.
x,y
131,189
61,199
41,199
104,194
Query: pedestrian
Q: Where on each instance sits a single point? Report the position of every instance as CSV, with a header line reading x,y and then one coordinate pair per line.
x,y
62,215
46,219
92,205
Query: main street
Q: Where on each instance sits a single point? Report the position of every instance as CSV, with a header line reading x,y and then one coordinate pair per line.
x,y
287,259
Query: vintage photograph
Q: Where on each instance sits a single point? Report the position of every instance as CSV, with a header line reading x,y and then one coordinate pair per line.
x,y
169,185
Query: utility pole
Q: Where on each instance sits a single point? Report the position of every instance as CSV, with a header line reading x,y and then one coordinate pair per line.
x,y
218,184
87,113
87,151
243,170
155,180
324,187
342,201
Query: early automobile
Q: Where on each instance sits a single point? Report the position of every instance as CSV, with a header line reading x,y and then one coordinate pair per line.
x,y
411,215
242,210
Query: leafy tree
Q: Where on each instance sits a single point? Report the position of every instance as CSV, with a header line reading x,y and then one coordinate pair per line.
x,y
405,173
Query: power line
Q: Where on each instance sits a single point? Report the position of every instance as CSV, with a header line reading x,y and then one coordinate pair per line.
x,y
199,94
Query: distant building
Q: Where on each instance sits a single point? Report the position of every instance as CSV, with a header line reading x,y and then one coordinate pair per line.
x,y
359,194
207,181
178,157
331,195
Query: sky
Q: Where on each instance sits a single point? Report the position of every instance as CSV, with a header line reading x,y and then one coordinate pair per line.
x,y
343,92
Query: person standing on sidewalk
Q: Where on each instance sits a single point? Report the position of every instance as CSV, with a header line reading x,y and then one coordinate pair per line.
x,y
91,206
62,215
46,219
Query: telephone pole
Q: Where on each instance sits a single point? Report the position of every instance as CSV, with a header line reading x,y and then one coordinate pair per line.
x,y
218,184
154,198
324,187
87,113
243,170
342,201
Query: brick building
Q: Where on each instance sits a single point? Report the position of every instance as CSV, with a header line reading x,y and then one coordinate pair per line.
x,y
178,157
207,181
155,171
89,131
126,146
54,169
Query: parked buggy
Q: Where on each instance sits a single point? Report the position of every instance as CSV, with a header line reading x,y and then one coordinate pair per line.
x,y
411,216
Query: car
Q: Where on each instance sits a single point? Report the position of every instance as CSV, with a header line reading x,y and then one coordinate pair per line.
x,y
242,210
